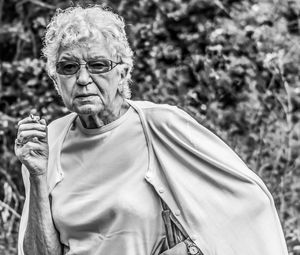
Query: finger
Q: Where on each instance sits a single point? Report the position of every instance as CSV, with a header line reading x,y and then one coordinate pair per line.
x,y
33,140
34,146
31,149
29,119
34,117
28,134
43,122
32,126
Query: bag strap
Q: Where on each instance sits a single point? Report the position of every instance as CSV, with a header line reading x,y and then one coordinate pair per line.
x,y
174,231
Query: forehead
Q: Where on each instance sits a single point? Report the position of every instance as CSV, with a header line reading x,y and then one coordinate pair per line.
x,y
85,50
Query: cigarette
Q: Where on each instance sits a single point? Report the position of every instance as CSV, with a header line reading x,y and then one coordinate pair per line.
x,y
33,118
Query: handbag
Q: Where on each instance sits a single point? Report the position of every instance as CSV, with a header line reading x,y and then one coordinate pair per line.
x,y
177,240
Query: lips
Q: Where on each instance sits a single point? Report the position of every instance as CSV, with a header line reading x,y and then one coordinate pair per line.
x,y
85,95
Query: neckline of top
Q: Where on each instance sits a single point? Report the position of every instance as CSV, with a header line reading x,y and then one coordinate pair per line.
x,y
105,128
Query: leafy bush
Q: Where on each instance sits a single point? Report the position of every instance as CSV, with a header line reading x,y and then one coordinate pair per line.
x,y
233,65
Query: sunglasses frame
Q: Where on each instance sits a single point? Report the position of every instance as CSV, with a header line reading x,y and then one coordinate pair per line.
x,y
112,65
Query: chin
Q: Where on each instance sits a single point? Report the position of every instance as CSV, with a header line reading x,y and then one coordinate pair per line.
x,y
87,110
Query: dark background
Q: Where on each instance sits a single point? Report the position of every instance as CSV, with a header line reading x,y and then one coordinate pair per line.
x,y
232,64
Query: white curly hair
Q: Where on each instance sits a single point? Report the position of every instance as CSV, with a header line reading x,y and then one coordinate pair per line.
x,y
78,25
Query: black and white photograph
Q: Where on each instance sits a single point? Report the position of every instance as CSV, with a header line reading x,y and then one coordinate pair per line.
x,y
150,127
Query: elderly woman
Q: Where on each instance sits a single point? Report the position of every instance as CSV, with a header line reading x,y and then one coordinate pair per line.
x,y
117,176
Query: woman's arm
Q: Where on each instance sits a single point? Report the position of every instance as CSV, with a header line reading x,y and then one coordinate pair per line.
x,y
32,149
41,236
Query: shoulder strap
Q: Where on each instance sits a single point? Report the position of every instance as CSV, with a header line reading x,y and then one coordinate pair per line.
x,y
174,231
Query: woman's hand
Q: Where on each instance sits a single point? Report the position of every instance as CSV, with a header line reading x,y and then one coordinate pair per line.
x,y
31,145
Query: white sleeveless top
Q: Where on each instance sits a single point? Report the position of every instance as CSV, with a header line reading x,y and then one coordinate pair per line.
x,y
103,205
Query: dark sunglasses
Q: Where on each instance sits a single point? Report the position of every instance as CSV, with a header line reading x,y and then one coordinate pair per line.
x,y
69,67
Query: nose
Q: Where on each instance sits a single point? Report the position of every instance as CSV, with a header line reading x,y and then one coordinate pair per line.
x,y
83,76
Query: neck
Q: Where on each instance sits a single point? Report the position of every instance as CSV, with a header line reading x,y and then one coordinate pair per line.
x,y
108,115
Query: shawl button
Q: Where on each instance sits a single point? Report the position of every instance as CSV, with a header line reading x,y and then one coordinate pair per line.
x,y
161,190
177,212
194,238
148,175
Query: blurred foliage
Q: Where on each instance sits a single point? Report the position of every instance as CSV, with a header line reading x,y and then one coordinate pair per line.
x,y
233,65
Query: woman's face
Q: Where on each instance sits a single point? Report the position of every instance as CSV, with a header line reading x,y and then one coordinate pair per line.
x,y
83,92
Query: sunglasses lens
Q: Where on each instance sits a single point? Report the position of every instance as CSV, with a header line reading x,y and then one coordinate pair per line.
x,y
99,66
95,66
67,67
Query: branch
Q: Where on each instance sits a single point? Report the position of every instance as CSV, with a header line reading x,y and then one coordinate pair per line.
x,y
39,3
2,204
219,4
11,183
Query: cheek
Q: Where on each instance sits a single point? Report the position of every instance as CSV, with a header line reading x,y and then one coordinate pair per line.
x,y
65,91
109,84
66,85
105,85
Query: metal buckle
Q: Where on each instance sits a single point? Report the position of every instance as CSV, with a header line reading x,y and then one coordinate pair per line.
x,y
192,248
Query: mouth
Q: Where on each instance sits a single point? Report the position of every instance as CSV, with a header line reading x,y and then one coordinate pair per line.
x,y
85,95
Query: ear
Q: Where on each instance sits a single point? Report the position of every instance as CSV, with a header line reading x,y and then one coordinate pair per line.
x,y
124,72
